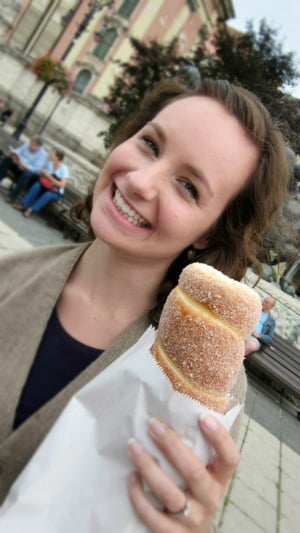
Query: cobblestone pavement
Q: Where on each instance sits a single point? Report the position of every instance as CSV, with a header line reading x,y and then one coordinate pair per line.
x,y
264,494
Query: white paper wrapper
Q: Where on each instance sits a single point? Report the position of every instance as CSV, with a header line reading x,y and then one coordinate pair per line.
x,y
77,479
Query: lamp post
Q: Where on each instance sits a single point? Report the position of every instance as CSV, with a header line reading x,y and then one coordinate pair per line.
x,y
94,6
23,122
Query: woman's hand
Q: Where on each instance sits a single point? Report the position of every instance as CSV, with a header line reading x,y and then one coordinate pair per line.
x,y
44,172
205,485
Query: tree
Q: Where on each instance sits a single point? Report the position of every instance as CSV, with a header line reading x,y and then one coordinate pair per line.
x,y
148,64
257,62
256,59
253,60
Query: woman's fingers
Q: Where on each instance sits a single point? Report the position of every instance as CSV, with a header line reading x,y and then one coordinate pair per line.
x,y
227,453
198,478
156,520
193,471
195,520
166,492
205,484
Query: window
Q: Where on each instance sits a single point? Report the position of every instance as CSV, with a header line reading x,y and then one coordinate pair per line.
x,y
82,80
106,38
127,8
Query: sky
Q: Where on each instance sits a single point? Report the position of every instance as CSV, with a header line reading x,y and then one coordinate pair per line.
x,y
283,16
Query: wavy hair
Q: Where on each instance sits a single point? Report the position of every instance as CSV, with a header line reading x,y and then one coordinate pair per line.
x,y
236,238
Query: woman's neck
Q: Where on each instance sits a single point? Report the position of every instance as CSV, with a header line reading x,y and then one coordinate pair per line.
x,y
108,276
56,164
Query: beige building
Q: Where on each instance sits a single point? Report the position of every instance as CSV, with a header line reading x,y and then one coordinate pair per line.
x,y
89,36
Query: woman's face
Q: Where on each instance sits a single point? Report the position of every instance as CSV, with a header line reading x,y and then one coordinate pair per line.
x,y
162,190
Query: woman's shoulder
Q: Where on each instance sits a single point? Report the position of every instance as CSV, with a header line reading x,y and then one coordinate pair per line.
x,y
64,170
25,264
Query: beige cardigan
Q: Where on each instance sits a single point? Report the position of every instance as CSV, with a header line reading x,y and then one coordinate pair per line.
x,y
30,284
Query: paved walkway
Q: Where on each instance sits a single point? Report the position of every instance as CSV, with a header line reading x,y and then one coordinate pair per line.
x,y
264,495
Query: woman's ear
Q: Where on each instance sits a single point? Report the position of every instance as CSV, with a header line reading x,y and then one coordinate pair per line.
x,y
202,243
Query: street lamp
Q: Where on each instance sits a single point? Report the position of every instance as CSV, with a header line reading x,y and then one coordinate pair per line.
x,y
94,6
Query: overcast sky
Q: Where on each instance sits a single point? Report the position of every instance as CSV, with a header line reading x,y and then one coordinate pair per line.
x,y
283,16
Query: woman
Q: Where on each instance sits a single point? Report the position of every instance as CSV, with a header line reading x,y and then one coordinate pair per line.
x,y
193,176
40,195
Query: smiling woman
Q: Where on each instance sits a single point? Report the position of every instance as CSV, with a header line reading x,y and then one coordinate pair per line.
x,y
193,175
165,179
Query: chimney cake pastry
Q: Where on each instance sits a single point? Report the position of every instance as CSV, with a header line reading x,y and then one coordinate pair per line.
x,y
200,338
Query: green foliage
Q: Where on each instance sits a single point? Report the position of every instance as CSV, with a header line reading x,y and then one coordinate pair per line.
x,y
254,60
148,64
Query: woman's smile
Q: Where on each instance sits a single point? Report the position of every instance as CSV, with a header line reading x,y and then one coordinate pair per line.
x,y
128,212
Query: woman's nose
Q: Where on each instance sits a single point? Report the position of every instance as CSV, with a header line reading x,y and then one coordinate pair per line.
x,y
146,182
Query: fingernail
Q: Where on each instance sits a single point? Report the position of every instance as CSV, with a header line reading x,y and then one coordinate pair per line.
x,y
208,422
156,427
134,447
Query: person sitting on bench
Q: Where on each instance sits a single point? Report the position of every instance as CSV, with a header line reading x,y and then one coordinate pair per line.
x,y
264,330
25,163
48,188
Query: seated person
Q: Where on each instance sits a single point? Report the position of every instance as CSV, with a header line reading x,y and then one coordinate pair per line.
x,y
26,163
264,331
38,195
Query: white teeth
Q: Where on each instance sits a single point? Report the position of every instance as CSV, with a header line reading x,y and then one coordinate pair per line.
x,y
130,214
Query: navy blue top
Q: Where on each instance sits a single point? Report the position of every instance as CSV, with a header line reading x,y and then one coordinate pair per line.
x,y
59,359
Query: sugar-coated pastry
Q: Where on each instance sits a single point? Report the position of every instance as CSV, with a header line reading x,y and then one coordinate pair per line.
x,y
200,338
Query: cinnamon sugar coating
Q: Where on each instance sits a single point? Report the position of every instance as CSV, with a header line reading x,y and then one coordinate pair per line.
x,y
201,333
231,300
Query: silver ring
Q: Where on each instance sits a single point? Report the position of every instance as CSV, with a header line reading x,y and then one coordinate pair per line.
x,y
184,512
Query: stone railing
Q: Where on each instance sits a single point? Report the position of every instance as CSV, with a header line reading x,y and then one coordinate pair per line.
x,y
287,309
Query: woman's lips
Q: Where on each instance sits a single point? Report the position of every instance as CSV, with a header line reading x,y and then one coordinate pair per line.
x,y
127,211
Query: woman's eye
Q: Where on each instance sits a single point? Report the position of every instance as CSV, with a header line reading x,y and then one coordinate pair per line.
x,y
151,144
190,188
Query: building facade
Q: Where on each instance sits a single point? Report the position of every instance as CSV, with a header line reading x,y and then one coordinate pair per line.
x,y
90,37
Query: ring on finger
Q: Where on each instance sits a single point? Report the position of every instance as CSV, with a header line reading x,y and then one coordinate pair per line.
x,y
184,512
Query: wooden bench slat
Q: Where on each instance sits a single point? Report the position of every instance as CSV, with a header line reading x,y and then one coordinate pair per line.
x,y
283,360
278,371
60,211
278,363
281,344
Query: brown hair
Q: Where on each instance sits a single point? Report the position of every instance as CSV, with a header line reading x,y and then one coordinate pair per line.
x,y
237,236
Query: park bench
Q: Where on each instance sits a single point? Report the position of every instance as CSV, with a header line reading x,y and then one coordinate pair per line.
x,y
277,365
58,214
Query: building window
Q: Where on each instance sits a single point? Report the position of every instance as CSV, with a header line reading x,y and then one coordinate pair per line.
x,y
82,80
106,37
127,8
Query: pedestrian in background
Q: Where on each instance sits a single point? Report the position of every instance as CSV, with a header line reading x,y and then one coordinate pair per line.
x,y
26,163
48,188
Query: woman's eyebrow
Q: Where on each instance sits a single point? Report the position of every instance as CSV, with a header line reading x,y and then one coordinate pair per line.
x,y
190,168
201,177
158,130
